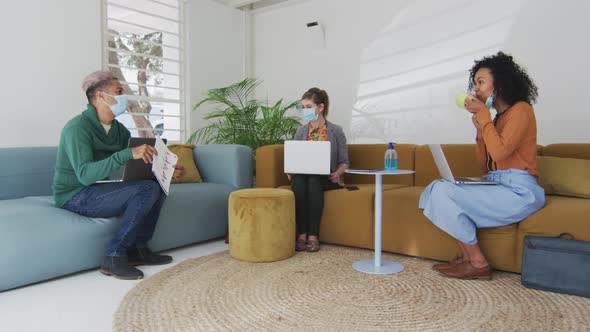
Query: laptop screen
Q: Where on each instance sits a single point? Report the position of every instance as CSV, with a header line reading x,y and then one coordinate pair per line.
x,y
307,157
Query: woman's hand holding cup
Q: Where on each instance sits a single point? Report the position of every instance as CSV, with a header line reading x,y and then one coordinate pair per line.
x,y
469,102
474,105
460,99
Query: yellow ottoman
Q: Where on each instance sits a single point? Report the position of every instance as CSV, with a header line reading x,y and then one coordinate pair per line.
x,y
261,224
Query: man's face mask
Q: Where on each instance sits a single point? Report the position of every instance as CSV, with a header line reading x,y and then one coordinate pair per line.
x,y
309,114
120,107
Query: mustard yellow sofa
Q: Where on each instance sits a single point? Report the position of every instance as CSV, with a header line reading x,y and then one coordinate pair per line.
x,y
348,217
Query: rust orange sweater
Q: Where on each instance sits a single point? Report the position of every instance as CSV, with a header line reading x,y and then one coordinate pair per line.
x,y
511,143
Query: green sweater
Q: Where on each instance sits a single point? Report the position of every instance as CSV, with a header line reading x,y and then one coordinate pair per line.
x,y
86,154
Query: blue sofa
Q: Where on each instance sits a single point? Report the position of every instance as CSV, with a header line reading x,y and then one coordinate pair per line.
x,y
39,241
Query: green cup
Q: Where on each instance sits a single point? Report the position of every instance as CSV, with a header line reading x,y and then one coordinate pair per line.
x,y
460,100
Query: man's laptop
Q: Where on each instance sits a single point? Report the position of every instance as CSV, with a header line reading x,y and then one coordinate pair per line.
x,y
135,169
445,170
307,157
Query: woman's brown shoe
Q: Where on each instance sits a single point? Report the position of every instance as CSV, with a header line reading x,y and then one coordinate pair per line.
x,y
467,271
300,245
313,245
452,262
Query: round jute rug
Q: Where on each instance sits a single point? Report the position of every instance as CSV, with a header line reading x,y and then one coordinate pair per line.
x,y
321,292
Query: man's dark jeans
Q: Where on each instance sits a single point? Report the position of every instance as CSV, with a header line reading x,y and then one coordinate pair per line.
x,y
309,201
138,202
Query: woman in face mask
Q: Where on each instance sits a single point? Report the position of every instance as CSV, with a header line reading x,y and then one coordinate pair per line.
x,y
507,152
309,189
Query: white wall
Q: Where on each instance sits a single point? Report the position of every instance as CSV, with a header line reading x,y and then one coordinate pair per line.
x,y
399,63
284,58
548,38
49,46
216,51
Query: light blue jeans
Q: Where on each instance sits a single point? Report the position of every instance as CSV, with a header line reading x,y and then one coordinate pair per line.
x,y
460,210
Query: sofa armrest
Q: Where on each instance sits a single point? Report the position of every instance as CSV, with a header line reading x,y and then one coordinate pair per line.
x,y
270,169
229,164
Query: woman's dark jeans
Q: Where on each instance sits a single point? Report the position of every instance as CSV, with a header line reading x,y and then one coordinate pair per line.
x,y
309,201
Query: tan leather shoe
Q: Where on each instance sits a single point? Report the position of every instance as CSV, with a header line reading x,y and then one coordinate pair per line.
x,y
467,271
442,266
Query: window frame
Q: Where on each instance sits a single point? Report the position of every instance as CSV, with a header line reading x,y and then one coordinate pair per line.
x,y
183,100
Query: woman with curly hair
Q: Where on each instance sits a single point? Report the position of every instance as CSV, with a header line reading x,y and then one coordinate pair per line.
x,y
507,152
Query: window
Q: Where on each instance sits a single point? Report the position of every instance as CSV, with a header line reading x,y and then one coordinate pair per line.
x,y
411,72
143,44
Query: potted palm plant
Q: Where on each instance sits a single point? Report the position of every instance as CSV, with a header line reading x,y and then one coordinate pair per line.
x,y
239,119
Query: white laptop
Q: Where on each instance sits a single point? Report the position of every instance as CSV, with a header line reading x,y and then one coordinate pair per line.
x,y
445,170
307,157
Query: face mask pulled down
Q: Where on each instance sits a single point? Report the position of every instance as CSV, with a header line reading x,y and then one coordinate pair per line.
x,y
490,101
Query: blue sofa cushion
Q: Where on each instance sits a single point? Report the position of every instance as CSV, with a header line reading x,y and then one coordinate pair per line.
x,y
193,212
26,172
40,241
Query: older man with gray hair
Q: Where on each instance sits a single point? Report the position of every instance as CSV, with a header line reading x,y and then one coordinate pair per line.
x,y
92,146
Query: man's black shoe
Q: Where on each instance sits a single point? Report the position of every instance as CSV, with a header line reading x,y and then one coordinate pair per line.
x,y
119,267
144,256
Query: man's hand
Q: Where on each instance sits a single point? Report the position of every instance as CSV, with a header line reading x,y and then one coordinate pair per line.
x,y
145,152
289,177
179,172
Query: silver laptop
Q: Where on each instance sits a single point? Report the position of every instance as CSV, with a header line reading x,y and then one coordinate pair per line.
x,y
135,169
445,170
307,157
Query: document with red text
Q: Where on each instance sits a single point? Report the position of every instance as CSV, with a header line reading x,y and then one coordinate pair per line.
x,y
163,164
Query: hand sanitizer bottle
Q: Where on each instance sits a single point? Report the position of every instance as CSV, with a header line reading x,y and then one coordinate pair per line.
x,y
390,160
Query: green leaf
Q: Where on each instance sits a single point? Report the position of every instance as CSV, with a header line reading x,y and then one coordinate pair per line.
x,y
238,118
